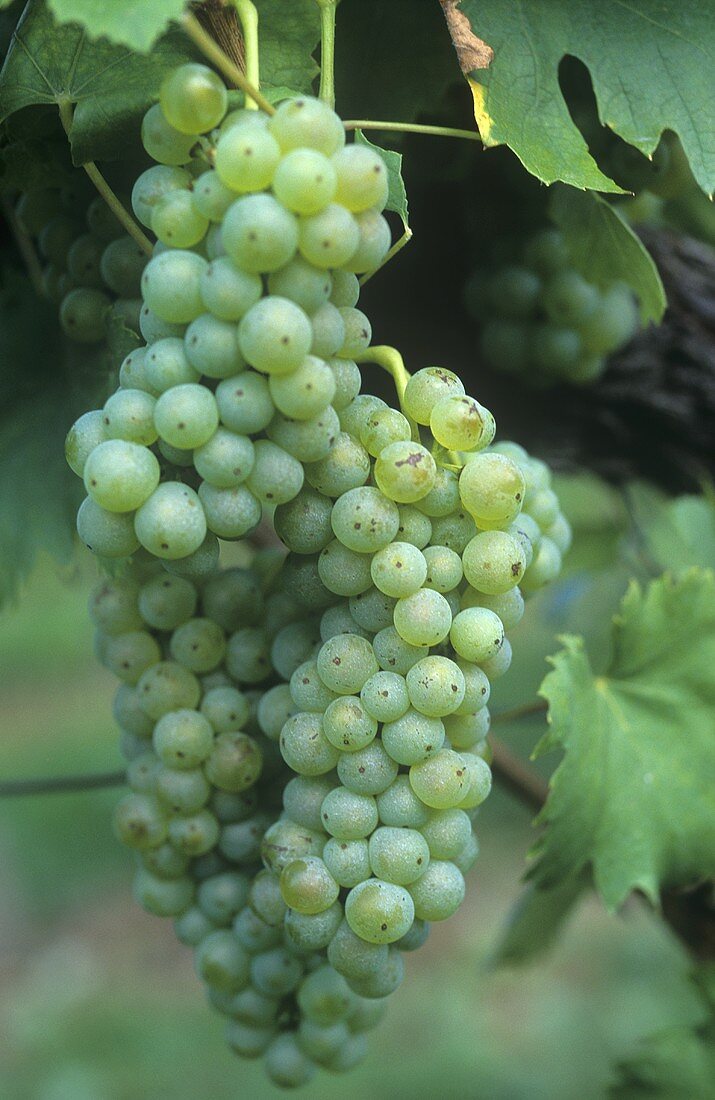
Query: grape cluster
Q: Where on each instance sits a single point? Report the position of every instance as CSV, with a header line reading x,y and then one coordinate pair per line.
x,y
357,668
541,319
93,269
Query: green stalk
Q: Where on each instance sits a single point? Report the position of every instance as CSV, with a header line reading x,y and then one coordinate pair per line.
x,y
223,63
411,128
117,208
397,247
390,360
248,18
327,50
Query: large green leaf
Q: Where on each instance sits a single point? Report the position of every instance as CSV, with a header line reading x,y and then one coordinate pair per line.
x,y
603,248
633,794
288,33
650,62
133,23
111,86
537,919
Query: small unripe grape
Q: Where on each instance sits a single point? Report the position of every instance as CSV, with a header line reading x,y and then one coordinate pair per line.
x,y
193,98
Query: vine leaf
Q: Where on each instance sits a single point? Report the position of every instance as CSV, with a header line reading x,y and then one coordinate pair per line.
x,y
288,33
110,85
537,919
396,195
603,248
132,23
675,534
650,63
632,796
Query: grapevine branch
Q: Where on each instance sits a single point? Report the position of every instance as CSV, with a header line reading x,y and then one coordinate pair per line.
x,y
62,784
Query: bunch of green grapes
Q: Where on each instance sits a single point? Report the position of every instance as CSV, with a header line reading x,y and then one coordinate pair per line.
x,y
372,645
541,319
92,267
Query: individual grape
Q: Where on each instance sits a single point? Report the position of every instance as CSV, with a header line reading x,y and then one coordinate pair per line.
x,y
379,912
164,861
347,860
435,686
129,415
275,973
612,323
496,666
247,656
113,606
328,331
375,240
305,122
241,841
198,565
439,892
153,328
83,261
233,598
361,178
249,1041
560,533
329,238
225,460
276,477
265,898
321,1043
354,957
345,467
246,158
453,531
171,524
382,427
479,780
426,388
347,725
176,222
399,569
343,571
446,833
476,689
183,739
301,579
372,610
193,98
212,347
244,403
221,961
308,286
306,391
307,440
476,634
461,424
140,821
285,841
167,686
545,567
259,234
307,689
345,662
347,382
186,416
358,332
443,497
304,746
194,834
285,1064
568,298
364,520
198,645
546,252
128,655
444,569
275,335
492,489
394,654
385,696
162,141
543,506
413,737
440,781
305,181
424,618
120,476
227,292
123,262
292,646
509,606
129,714
303,798
221,896
338,618
149,187
182,792
554,349
162,897
307,886
303,523
274,710
368,771
405,471
494,562
171,285
82,314
85,434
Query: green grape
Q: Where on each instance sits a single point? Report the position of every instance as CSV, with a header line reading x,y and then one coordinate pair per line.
x,y
304,746
358,332
199,564
275,335
306,122
226,708
399,569
399,806
265,898
494,562
612,323
556,350
133,373
453,531
221,961
460,423
183,739
372,610
162,141
545,567
82,314
85,434
301,579
515,291
285,841
446,833
364,520
398,856
175,221
546,252
193,98
303,523
83,261
305,181
346,374
568,298
440,781
345,662
241,841
338,618
292,646
347,861
210,197
379,912
443,497
496,666
439,892
171,523
194,834
322,1044
345,467
324,996
307,689
347,725
276,477
385,696
413,737
221,896
374,244
543,507
244,403
444,569
394,654
247,656
306,391
476,634
366,1015
244,116
140,821
212,347
476,689
329,238
252,1008
303,798
129,415
227,292
492,489
259,234
129,715
307,886
246,158
435,686
233,598
120,476
308,286
285,1064
353,957
149,187
130,746
225,460
56,237
424,618
369,771
113,606
466,859
153,328
328,331
426,388
307,440
164,861
405,471
509,606
182,792
362,180
343,571
168,686
198,645
186,416
171,285
382,427
275,973
162,897
254,934
122,263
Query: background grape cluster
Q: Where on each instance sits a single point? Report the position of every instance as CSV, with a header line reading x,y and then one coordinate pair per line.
x,y
306,734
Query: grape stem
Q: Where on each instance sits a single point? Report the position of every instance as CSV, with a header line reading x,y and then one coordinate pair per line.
x,y
411,128
327,50
25,247
248,18
390,360
59,784
397,247
118,209
213,52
